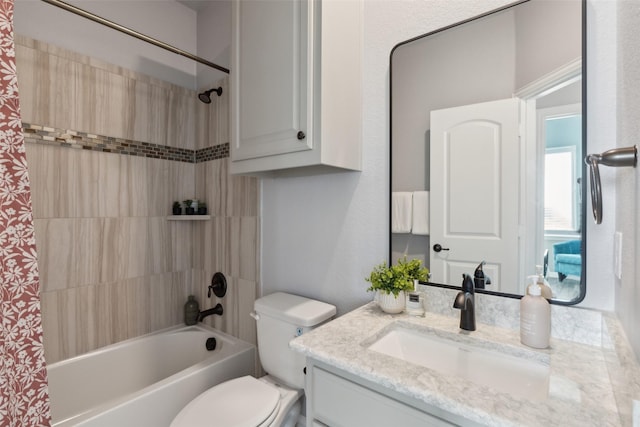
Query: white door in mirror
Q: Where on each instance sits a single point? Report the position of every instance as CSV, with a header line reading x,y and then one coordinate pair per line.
x,y
474,200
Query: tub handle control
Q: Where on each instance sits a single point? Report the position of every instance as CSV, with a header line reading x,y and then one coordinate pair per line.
x,y
255,315
218,285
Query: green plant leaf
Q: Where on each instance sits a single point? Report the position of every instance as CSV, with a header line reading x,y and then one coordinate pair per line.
x,y
396,278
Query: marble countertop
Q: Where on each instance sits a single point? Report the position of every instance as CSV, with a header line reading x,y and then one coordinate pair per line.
x,y
589,385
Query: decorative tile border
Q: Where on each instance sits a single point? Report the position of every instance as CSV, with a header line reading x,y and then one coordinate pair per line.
x,y
220,151
81,140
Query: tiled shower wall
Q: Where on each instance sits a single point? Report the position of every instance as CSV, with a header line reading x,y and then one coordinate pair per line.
x,y
109,150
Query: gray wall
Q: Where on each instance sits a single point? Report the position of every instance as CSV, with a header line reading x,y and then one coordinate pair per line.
x,y
628,194
323,234
352,208
488,59
464,65
560,33
167,21
214,40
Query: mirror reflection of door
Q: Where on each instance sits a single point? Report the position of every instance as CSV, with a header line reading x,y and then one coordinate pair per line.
x,y
531,51
561,136
474,192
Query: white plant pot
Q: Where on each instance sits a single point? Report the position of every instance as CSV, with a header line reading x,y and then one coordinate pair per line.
x,y
390,303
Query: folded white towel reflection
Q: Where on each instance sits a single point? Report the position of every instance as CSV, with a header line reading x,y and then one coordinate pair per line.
x,y
401,211
420,213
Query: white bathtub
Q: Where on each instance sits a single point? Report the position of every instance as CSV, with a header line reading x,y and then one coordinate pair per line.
x,y
144,381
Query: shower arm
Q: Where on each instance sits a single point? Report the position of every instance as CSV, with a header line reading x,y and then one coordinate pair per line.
x,y
617,157
100,20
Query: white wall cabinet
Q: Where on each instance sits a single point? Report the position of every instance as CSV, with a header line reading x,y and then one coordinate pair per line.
x,y
296,92
340,399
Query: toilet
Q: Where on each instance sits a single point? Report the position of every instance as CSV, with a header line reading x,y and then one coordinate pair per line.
x,y
272,400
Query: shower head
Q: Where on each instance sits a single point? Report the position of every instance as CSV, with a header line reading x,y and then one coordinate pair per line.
x,y
206,95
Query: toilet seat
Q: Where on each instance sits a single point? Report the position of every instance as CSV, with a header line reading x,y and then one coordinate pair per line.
x,y
240,402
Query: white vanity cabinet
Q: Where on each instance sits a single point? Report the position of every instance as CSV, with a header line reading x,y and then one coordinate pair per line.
x,y
339,399
296,96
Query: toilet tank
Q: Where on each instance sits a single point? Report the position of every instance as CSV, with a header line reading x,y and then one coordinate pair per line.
x,y
280,318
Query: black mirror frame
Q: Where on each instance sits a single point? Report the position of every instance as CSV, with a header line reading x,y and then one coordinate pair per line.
x,y
583,281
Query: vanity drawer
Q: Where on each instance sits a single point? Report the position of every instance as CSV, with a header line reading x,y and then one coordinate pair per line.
x,y
339,402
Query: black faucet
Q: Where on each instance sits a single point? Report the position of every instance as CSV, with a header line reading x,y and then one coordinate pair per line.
x,y
465,303
479,278
215,310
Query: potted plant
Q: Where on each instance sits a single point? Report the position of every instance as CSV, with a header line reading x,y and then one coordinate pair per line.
x,y
187,207
176,209
391,282
202,208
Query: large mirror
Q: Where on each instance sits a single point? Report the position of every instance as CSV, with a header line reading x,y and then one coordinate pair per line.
x,y
487,142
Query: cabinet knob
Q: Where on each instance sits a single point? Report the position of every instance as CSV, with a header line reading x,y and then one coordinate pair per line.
x,y
301,135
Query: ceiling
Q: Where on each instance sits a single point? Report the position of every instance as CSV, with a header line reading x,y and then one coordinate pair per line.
x,y
197,5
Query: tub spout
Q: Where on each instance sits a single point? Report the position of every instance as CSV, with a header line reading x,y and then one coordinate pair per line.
x,y
215,310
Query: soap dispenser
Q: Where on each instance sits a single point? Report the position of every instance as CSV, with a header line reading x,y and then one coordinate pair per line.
x,y
191,311
535,318
415,301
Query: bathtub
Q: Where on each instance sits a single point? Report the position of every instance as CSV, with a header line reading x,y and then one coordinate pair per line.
x,y
144,381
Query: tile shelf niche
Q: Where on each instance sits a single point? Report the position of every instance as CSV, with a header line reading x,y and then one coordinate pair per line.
x,y
188,217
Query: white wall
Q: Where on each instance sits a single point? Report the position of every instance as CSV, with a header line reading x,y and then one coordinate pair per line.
x,y
323,234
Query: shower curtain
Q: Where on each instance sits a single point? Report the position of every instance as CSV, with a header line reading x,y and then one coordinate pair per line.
x,y
24,399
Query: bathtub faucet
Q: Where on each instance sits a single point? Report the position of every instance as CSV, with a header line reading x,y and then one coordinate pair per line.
x,y
215,310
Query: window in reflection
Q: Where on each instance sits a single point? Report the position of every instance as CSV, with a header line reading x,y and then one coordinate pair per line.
x,y
562,199
559,189
562,161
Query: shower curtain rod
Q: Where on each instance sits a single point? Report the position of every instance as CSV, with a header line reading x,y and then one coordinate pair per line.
x,y
100,20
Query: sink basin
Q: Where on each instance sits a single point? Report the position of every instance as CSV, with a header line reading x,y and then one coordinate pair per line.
x,y
466,361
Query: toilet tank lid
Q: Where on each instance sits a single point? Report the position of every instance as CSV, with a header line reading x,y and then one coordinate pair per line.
x,y
294,309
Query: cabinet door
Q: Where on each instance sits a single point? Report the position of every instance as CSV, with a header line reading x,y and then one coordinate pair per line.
x,y
338,402
271,89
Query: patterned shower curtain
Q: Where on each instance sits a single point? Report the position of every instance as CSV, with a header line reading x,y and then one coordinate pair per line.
x,y
24,399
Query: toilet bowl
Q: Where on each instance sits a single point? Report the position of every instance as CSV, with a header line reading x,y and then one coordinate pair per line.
x,y
275,399
243,402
